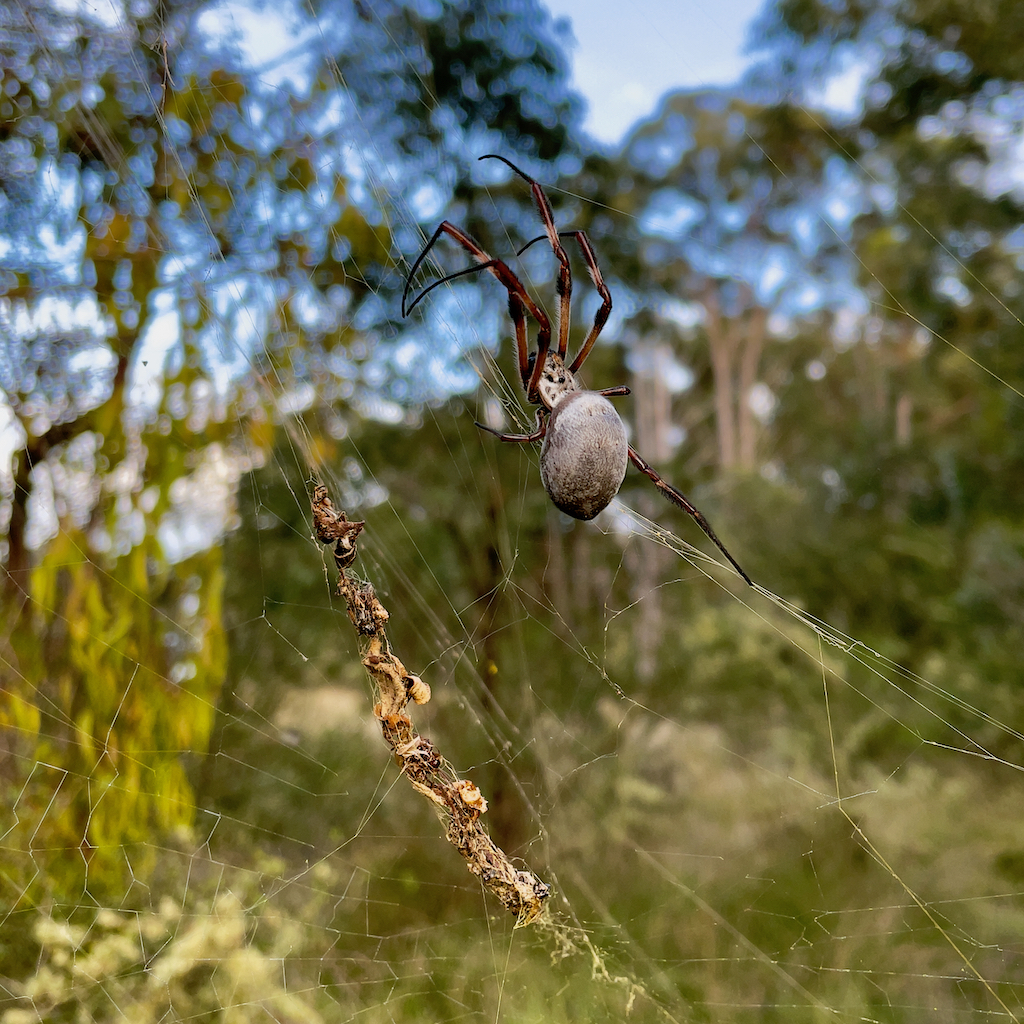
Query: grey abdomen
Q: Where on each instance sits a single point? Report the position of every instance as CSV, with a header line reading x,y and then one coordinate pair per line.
x,y
584,455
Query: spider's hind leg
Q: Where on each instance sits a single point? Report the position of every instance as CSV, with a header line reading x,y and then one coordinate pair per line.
x,y
681,501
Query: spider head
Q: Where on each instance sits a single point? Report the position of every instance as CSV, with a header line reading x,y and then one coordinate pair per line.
x,y
555,381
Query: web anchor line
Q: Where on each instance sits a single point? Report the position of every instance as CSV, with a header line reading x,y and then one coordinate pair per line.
x,y
458,802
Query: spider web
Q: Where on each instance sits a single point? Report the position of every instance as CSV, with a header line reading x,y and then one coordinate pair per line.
x,y
709,859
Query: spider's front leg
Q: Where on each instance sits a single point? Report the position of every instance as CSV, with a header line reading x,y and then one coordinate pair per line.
x,y
537,435
547,215
519,301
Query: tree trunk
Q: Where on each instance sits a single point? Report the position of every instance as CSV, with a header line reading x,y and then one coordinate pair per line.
x,y
742,336
720,340
646,560
750,360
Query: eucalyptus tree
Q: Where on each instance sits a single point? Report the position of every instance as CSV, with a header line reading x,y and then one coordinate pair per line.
x,y
744,219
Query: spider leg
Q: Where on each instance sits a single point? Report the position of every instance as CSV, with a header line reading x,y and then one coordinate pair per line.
x,y
531,242
519,438
519,301
547,215
616,392
407,309
601,317
678,498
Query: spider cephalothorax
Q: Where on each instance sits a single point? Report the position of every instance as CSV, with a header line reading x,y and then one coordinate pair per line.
x,y
585,451
555,381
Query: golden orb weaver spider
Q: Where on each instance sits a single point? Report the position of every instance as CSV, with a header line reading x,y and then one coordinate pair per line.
x,y
584,453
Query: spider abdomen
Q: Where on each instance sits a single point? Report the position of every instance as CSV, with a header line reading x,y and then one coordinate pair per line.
x,y
584,455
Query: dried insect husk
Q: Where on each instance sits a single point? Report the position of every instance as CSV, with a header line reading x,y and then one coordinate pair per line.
x,y
417,689
471,796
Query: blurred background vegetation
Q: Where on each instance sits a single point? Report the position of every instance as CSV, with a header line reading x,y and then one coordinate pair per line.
x,y
201,257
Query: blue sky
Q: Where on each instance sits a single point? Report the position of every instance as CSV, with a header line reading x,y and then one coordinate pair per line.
x,y
629,53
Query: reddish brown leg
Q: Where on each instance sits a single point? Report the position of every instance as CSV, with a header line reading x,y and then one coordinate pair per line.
x,y
680,499
547,215
519,301
601,317
515,309
519,438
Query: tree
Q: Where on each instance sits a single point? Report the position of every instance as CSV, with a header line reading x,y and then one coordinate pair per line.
x,y
939,106
191,245
746,209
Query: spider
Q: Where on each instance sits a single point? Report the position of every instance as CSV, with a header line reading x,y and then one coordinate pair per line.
x,y
584,453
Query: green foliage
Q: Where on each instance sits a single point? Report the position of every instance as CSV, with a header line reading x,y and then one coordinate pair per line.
x,y
464,45
111,702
